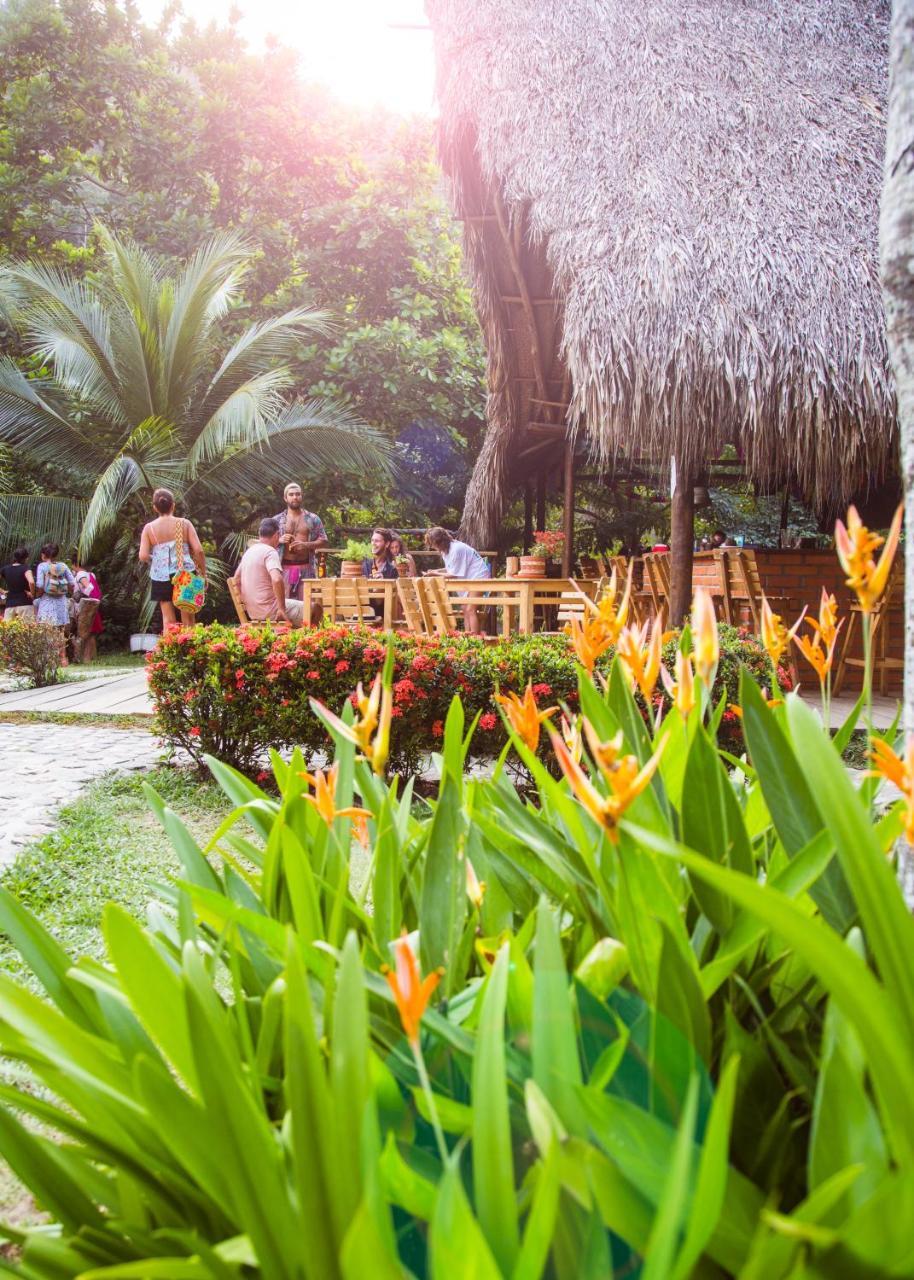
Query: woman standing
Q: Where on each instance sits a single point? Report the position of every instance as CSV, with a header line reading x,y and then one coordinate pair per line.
x,y
157,549
20,587
53,583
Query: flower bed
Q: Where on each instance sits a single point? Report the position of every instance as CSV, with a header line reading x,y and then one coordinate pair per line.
x,y
234,691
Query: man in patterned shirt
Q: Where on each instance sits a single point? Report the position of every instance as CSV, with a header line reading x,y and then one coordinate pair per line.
x,y
301,534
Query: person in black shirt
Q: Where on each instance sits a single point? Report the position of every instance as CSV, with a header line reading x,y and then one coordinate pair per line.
x,y
380,564
20,587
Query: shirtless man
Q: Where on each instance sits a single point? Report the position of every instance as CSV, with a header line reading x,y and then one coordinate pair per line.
x,y
301,533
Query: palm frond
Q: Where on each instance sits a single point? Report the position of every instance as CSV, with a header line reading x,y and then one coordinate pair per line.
x,y
133,297
38,518
309,439
145,463
66,324
242,420
33,423
201,296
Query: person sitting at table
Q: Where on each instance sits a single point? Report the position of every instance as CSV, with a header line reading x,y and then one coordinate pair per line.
x,y
406,564
460,561
261,583
380,564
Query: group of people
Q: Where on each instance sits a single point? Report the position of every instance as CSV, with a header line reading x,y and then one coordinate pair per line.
x,y
49,591
272,568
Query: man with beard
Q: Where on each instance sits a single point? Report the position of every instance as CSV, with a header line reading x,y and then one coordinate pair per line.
x,y
301,534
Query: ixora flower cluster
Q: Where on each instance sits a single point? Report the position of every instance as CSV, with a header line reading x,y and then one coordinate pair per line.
x,y
232,692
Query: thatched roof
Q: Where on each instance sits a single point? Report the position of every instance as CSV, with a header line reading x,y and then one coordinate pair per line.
x,y
671,216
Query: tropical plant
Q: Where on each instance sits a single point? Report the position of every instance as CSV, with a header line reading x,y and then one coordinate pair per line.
x,y
30,650
356,549
136,385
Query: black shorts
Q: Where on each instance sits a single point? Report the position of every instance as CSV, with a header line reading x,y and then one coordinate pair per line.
x,y
160,590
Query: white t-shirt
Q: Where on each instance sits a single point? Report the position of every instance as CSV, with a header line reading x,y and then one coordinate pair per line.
x,y
256,583
461,561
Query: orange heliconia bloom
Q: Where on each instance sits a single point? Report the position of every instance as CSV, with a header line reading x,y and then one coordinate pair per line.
x,y
856,546
705,640
524,716
371,732
411,993
324,798
769,702
682,689
622,774
613,617
589,639
571,734
900,770
476,888
775,636
819,648
640,658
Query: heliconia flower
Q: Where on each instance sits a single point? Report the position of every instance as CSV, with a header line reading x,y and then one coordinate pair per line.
x,y
737,710
900,771
705,640
827,626
589,639
640,659
625,779
371,732
682,689
775,636
571,734
324,798
524,716
411,993
360,829
612,617
856,546
476,889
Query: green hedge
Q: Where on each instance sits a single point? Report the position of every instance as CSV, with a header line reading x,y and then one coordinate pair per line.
x,y
232,692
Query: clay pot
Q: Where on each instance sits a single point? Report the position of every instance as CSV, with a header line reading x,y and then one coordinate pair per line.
x,y
533,567
351,569
512,564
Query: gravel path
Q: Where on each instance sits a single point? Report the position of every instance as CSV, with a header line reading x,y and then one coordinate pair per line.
x,y
45,766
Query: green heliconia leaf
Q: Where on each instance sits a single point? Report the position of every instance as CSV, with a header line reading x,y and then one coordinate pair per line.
x,y
713,824
493,1163
259,809
540,1224
37,1163
794,811
443,905
671,1209
680,998
556,1064
457,1247
350,1080
366,1252
48,961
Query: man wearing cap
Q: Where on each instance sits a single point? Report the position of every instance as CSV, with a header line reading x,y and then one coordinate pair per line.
x,y
301,533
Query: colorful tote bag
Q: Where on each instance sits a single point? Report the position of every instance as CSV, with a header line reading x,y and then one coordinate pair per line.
x,y
188,590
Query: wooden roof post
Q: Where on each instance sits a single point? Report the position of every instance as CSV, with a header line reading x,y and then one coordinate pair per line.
x,y
682,538
528,516
541,501
568,510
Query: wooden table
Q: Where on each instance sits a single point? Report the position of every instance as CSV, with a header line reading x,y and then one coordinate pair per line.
x,y
338,596
518,598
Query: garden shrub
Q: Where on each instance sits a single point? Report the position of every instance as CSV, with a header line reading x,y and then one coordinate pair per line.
x,y
30,650
232,692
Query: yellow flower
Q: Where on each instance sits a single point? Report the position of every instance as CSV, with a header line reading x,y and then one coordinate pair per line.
x,y
900,771
640,660
704,636
819,648
612,616
775,636
571,734
476,888
589,639
371,731
411,994
524,716
622,774
856,546
324,798
682,690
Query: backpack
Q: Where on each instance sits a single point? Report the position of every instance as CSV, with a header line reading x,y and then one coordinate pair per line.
x,y
56,583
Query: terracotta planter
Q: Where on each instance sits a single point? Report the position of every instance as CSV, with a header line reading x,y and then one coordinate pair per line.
x,y
351,569
533,567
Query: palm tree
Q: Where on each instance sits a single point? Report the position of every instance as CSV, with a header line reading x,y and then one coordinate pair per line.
x,y
134,388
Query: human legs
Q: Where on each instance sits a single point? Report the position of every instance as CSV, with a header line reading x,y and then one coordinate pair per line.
x,y
169,617
471,623
295,611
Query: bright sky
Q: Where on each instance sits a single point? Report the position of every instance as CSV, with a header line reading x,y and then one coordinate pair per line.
x,y
353,46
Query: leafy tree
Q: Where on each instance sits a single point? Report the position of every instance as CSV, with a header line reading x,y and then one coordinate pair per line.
x,y
137,389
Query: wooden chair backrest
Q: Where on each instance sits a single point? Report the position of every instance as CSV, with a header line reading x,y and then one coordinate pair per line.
x,y
415,608
620,564
434,593
657,578
745,577
234,587
350,601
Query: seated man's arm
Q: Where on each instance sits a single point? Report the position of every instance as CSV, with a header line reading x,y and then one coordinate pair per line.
x,y
279,590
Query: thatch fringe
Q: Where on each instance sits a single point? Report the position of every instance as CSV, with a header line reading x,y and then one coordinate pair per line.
x,y
702,179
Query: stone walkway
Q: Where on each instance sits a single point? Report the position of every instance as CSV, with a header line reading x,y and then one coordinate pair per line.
x,y
45,766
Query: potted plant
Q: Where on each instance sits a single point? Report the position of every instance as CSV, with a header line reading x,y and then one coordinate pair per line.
x,y
547,543
354,552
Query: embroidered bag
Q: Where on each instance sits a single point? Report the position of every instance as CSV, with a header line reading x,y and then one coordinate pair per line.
x,y
188,590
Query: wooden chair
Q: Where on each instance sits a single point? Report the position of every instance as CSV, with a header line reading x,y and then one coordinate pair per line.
x,y
234,587
347,600
723,595
415,607
657,580
742,575
891,602
440,612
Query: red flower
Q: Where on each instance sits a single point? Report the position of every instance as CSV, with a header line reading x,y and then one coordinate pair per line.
x,y
330,654
438,729
542,691
194,731
263,775
218,646
420,662
341,666
396,713
314,675
488,721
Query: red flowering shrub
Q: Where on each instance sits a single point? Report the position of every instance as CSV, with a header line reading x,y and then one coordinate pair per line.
x,y
232,692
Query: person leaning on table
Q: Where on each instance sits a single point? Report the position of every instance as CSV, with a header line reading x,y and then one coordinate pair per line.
x,y
460,561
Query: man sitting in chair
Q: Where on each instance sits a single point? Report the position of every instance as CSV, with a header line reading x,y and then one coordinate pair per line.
x,y
261,583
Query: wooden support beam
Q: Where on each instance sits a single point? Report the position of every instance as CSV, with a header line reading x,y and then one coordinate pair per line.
x,y
682,541
568,510
541,500
550,404
537,302
539,367
528,516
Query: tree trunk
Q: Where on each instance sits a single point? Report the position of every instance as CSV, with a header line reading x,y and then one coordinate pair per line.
x,y
896,244
682,540
568,510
